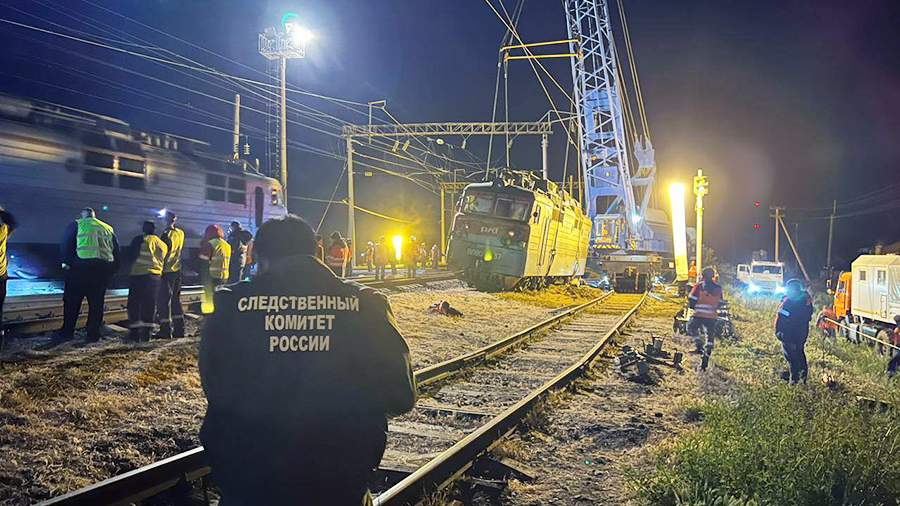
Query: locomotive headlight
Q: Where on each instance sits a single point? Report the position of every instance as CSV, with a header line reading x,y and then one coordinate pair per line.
x,y
511,233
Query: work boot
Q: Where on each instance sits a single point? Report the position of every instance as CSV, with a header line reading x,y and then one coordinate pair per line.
x,y
165,331
179,328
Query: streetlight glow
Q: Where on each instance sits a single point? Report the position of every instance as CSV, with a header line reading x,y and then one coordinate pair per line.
x,y
679,231
299,34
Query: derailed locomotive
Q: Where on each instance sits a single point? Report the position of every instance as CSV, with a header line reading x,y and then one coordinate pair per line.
x,y
518,231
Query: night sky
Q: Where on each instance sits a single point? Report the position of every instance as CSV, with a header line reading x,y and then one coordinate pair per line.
x,y
785,102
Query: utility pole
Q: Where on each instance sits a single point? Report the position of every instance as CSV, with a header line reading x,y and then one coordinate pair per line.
x,y
545,142
701,188
793,248
777,230
351,203
236,140
830,235
282,142
274,44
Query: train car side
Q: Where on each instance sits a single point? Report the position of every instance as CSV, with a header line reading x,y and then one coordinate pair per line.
x,y
53,172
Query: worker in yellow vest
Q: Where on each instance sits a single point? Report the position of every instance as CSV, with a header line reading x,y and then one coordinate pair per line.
x,y
168,300
90,258
148,252
215,257
7,225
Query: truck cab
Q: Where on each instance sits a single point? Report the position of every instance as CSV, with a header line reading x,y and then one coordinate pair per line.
x,y
842,296
766,277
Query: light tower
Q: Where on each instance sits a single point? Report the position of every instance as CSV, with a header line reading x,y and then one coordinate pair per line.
x,y
701,188
274,44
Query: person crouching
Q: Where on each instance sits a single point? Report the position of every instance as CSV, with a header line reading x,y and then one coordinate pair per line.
x,y
148,252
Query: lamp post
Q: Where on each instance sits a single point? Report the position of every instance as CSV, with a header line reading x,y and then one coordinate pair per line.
x,y
287,43
701,188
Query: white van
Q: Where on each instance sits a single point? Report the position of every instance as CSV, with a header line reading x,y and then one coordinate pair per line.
x,y
766,277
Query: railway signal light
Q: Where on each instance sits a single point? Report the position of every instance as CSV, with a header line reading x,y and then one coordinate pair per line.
x,y
756,226
756,203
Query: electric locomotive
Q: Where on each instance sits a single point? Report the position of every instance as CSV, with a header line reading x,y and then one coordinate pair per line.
x,y
518,231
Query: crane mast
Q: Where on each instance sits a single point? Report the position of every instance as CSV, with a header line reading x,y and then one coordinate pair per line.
x,y
616,200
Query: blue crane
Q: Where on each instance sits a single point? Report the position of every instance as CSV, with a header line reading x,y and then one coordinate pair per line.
x,y
617,197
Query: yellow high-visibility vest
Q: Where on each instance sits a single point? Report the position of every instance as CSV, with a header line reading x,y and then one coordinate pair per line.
x,y
4,235
94,240
175,237
219,258
150,260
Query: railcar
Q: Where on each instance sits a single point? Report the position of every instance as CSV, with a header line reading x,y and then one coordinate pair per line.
x,y
518,231
56,160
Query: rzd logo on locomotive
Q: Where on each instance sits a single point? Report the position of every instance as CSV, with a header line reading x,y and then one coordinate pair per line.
x,y
490,230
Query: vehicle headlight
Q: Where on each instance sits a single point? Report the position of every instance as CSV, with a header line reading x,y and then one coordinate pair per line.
x,y
752,288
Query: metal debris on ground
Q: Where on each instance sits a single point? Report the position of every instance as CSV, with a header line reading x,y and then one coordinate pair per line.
x,y
636,364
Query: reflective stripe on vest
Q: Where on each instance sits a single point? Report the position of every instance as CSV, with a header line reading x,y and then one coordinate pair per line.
x,y
4,235
151,257
175,237
219,258
94,240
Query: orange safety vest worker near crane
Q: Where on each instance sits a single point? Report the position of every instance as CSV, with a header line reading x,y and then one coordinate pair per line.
x,y
705,299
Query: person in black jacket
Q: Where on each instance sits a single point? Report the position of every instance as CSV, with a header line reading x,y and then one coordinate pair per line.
x,y
301,370
239,239
792,328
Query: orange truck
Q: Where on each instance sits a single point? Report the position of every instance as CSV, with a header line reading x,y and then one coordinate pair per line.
x,y
867,299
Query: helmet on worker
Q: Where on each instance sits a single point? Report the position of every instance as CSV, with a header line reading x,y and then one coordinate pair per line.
x,y
708,274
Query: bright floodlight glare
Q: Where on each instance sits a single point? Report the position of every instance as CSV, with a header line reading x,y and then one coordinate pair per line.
x,y
780,289
636,219
679,230
162,213
397,241
299,34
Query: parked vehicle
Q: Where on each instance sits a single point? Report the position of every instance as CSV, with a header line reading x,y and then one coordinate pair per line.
x,y
766,277
867,298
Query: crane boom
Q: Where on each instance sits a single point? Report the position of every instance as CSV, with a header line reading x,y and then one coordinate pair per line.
x,y
616,198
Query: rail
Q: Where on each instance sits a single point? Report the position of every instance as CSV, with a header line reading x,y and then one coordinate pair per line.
x,y
36,313
450,464
156,478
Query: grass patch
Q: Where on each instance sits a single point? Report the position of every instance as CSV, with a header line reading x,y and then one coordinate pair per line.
x,y
780,445
759,441
554,296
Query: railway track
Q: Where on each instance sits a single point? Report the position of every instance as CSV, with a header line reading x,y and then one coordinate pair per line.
x,y
40,313
453,424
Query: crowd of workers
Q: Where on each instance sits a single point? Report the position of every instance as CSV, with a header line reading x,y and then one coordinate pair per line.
x,y
91,255
378,255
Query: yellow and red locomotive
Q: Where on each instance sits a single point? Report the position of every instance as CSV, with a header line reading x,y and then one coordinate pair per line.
x,y
518,231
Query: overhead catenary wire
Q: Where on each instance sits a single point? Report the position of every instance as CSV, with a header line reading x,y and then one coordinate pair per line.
x,y
214,74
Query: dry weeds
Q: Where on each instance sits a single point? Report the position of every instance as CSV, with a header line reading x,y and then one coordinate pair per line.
x,y
73,416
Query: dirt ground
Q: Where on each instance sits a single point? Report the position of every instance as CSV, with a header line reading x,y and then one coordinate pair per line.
x,y
74,415
580,449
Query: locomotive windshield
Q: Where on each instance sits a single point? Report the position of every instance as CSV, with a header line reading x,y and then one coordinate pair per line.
x,y
500,206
